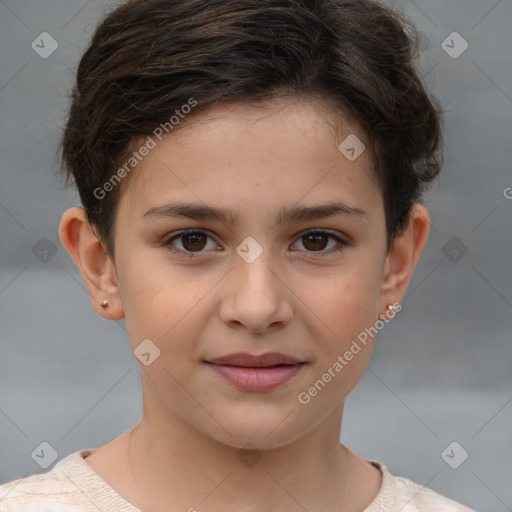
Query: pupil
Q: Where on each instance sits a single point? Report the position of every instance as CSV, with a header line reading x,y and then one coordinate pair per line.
x,y
316,238
194,238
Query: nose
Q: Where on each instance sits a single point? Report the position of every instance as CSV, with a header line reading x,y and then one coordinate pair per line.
x,y
256,296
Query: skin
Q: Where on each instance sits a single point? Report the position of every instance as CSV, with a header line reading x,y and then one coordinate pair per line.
x,y
253,161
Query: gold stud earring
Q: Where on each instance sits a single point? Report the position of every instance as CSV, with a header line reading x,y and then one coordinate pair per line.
x,y
389,307
104,304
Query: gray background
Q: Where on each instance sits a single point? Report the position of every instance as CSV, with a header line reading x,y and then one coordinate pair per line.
x,y
441,371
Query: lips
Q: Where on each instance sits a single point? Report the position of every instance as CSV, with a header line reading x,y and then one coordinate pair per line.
x,y
250,372
255,361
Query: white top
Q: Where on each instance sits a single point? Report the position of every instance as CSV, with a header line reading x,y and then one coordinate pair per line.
x,y
73,486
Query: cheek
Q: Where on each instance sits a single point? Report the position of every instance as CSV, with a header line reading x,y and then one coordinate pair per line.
x,y
173,325
342,303
152,284
166,308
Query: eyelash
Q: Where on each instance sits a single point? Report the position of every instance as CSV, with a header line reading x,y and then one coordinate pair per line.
x,y
167,243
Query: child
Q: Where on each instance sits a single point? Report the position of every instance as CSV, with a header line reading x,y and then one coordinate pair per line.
x,y
261,129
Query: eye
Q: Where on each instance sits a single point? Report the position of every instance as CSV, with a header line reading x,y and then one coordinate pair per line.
x,y
315,242
192,241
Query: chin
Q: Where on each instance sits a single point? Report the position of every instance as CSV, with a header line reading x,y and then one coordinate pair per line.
x,y
257,429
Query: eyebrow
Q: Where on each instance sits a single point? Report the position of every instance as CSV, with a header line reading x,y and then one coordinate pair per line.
x,y
203,212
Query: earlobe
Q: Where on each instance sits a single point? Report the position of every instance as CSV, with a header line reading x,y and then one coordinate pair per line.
x,y
404,255
93,261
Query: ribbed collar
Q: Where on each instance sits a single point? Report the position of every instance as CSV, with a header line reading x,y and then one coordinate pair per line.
x,y
103,496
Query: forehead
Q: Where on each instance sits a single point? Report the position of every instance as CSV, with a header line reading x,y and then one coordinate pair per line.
x,y
288,147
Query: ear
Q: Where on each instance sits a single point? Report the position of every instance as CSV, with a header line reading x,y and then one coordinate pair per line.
x,y
403,256
93,261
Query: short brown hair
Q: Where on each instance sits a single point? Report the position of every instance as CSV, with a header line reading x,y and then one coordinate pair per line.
x,y
147,58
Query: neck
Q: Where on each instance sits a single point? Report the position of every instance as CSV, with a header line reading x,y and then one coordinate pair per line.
x,y
172,462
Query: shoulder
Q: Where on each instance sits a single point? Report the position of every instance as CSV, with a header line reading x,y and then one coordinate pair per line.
x,y
416,498
38,493
56,490
398,493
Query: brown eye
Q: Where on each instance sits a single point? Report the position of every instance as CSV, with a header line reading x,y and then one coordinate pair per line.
x,y
191,242
318,241
315,241
194,241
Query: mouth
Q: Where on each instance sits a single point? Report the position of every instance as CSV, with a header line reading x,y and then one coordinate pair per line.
x,y
256,372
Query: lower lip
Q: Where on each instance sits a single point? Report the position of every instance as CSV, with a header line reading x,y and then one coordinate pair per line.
x,y
257,379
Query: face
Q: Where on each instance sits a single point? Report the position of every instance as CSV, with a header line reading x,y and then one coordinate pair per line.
x,y
260,280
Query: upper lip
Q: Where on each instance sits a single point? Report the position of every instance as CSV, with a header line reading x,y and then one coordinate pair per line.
x,y
255,361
